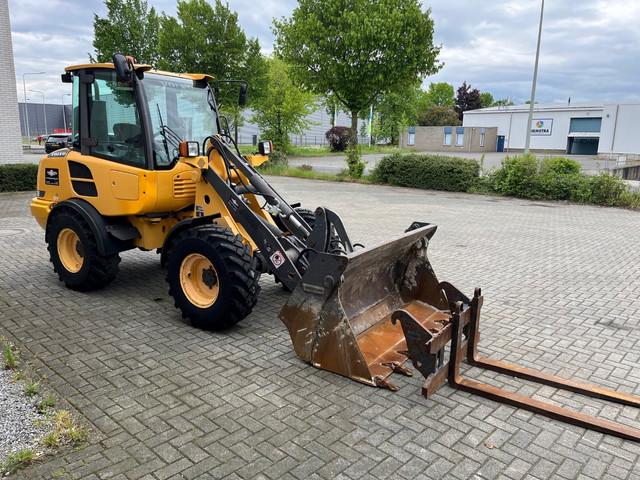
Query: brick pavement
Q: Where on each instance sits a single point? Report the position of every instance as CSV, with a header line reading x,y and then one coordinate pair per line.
x,y
164,400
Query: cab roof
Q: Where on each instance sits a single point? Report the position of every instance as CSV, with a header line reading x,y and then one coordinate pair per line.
x,y
143,67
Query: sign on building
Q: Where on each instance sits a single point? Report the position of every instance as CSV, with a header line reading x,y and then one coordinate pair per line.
x,y
541,126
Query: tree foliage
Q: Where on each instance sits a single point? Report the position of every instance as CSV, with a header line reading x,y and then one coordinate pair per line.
x,y
129,27
439,94
486,100
503,102
207,38
438,116
395,111
467,98
282,111
357,50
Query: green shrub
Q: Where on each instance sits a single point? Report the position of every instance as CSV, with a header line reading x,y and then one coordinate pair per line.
x,y
354,162
435,172
606,189
18,177
278,158
518,177
630,200
557,178
559,166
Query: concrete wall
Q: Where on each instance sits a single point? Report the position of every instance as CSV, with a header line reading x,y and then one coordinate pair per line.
x,y
10,141
620,134
512,123
431,139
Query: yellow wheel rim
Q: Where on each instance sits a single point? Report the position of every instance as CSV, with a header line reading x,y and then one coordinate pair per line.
x,y
70,250
199,280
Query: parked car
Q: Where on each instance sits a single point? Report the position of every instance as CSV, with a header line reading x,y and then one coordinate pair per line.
x,y
56,142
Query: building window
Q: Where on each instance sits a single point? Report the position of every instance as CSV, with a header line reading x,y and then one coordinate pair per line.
x,y
447,135
411,140
459,136
482,135
590,125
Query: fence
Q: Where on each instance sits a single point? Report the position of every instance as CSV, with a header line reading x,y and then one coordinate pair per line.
x,y
297,140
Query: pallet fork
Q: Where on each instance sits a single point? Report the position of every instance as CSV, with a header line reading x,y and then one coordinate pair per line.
x,y
466,317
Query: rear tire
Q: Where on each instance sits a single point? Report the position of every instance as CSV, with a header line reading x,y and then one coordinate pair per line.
x,y
212,277
74,253
307,215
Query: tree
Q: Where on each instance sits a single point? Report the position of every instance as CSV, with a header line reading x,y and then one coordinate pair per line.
x,y
394,111
284,108
503,102
332,106
486,100
438,116
357,49
207,38
130,27
467,99
440,94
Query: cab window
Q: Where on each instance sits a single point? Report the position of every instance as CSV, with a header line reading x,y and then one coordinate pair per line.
x,y
114,121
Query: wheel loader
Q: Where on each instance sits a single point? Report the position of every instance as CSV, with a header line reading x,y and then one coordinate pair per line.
x,y
152,166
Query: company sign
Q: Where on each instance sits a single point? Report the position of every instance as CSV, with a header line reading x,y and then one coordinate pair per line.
x,y
541,126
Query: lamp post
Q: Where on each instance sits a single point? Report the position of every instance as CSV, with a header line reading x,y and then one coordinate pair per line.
x,y
26,110
44,110
64,115
533,85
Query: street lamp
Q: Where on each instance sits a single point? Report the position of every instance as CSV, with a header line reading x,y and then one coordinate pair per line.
x,y
533,85
64,115
44,110
26,110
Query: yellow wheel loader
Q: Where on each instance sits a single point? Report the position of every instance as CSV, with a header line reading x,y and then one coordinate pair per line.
x,y
152,166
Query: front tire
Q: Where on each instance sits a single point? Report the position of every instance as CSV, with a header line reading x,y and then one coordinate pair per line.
x,y
212,277
74,253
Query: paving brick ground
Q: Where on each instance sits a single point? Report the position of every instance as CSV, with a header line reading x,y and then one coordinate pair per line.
x,y
164,400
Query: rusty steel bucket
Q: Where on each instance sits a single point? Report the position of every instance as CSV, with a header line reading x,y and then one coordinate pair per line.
x,y
339,316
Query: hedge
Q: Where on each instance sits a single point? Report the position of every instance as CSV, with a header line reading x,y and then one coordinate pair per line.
x,y
556,178
433,172
18,177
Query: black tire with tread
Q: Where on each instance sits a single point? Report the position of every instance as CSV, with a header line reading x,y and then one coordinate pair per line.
x,y
97,270
307,215
236,270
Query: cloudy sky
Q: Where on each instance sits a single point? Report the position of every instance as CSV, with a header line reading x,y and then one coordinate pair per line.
x,y
589,48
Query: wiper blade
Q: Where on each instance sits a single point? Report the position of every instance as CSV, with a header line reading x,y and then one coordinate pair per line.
x,y
171,135
164,135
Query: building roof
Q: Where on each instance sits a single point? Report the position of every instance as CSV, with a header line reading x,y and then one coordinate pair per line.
x,y
552,107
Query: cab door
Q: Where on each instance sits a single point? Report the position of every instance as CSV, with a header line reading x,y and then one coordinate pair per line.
x,y
112,143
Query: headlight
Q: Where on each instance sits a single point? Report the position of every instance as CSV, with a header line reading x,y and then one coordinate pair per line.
x,y
189,149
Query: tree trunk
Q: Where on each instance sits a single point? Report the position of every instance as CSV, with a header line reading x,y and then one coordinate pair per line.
x,y
354,127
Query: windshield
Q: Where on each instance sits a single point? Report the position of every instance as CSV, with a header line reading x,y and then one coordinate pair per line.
x,y
182,107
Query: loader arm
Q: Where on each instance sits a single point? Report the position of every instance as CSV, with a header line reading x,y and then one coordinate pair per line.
x,y
286,254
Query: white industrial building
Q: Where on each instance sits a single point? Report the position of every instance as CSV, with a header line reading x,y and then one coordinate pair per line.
x,y
607,130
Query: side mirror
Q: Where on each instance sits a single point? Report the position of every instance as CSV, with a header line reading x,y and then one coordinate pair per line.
x,y
244,90
123,68
265,148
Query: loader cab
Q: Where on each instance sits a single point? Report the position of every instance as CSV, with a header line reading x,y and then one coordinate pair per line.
x,y
139,122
